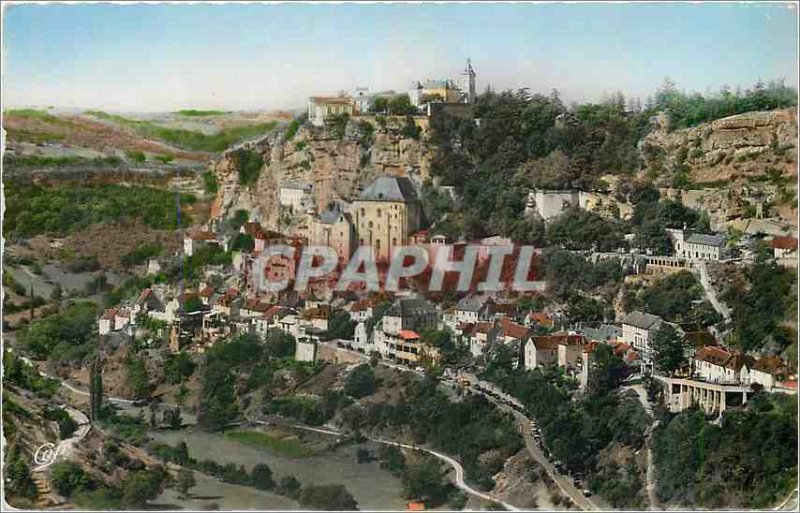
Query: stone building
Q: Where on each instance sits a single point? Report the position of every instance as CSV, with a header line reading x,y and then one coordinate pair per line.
x,y
321,108
386,214
334,229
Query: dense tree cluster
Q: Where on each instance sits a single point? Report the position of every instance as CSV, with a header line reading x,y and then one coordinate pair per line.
x,y
748,461
33,210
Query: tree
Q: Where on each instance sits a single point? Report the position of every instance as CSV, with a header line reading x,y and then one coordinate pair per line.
x,y
667,348
328,497
142,486
185,481
280,344
261,477
288,486
360,382
172,417
68,477
178,367
423,480
18,475
400,105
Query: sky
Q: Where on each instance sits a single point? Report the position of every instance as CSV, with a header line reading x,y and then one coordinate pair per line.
x,y
273,56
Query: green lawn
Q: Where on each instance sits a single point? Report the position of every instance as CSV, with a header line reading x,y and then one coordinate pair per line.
x,y
275,441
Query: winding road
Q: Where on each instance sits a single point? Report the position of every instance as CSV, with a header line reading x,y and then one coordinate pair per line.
x,y
459,470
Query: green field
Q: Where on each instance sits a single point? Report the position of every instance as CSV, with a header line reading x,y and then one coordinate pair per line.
x,y
275,441
188,139
200,113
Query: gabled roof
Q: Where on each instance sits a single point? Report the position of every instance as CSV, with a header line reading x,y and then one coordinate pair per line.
x,y
339,100
551,342
274,311
541,318
206,292
410,306
718,356
227,297
770,365
255,305
143,296
482,327
203,235
641,320
408,334
512,329
390,188
784,243
473,302
716,240
110,314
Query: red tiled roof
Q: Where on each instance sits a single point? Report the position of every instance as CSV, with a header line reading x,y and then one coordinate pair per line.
x,y
143,296
408,334
511,329
273,311
720,357
206,292
784,243
553,341
227,297
201,235
482,327
360,306
590,347
620,348
541,317
110,314
770,365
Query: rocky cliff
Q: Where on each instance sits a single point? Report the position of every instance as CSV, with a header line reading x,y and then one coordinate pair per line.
x,y
337,161
734,168
731,148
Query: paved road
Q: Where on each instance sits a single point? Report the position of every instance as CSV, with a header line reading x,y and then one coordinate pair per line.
x,y
790,504
711,294
65,448
564,483
459,470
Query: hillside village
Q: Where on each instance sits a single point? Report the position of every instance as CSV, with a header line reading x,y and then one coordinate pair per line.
x,y
636,304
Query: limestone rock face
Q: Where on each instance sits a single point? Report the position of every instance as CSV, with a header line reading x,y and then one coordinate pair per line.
x,y
729,148
337,164
736,168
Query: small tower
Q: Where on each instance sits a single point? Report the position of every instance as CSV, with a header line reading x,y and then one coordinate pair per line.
x,y
469,74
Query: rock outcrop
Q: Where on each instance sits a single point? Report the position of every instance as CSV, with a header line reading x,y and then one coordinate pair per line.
x,y
337,164
734,168
729,149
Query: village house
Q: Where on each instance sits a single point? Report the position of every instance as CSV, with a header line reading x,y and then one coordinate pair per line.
x,y
408,313
474,308
559,349
481,336
316,318
334,229
146,302
697,247
361,311
509,332
295,196
261,236
718,365
534,319
199,239
253,308
784,247
638,329
270,319
106,322
305,350
386,214
322,108
767,371
228,303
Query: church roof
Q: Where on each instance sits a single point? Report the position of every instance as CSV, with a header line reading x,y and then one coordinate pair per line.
x,y
390,188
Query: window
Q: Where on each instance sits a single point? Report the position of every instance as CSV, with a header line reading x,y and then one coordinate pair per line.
x,y
379,212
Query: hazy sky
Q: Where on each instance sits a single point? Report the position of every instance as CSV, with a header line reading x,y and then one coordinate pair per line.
x,y
163,57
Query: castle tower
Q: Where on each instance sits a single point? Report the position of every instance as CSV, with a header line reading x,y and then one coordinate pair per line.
x,y
469,76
